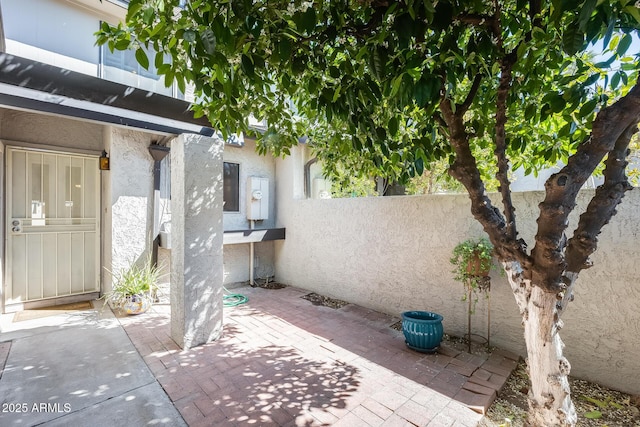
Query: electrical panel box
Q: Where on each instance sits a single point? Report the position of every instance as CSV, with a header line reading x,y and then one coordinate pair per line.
x,y
257,198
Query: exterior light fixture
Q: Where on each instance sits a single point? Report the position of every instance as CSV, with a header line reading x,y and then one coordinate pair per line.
x,y
104,161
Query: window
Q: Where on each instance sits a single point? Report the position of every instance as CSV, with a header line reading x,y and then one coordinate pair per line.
x,y
231,182
121,66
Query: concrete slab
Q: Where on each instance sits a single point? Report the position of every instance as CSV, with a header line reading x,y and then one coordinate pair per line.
x,y
147,405
61,370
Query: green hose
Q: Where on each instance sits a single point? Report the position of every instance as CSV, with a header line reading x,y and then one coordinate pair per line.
x,y
233,300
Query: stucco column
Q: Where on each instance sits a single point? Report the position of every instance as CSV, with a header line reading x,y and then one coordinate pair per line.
x,y
196,239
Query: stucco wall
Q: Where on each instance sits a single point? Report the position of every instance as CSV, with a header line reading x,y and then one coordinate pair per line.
x,y
392,254
131,182
236,257
52,131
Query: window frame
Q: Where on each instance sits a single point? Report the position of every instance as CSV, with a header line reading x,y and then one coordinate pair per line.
x,y
225,190
127,61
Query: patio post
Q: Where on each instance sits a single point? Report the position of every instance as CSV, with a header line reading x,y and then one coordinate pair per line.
x,y
196,239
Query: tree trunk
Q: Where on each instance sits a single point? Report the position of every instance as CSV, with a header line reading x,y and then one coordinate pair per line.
x,y
549,397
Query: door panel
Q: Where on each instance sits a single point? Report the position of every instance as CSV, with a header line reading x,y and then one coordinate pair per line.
x,y
53,226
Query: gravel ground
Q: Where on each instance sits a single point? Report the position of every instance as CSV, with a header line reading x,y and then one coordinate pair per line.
x,y
596,405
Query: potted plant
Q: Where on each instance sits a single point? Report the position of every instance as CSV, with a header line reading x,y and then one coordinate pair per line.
x,y
473,259
133,290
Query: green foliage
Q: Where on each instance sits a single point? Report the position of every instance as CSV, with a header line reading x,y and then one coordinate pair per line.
x,y
472,259
593,415
434,180
137,280
633,172
365,80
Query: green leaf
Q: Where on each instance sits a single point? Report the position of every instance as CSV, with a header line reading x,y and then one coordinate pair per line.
x,y
593,415
181,85
141,57
308,20
587,9
393,125
624,45
572,39
378,62
591,79
122,44
208,39
147,16
395,86
588,108
419,165
557,103
284,49
247,66
134,7
609,32
158,60
633,11
615,81
530,112
189,36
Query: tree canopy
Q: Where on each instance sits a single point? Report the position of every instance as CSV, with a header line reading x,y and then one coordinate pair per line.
x,y
387,88
366,77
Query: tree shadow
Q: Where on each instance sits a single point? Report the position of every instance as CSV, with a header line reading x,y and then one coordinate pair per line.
x,y
240,382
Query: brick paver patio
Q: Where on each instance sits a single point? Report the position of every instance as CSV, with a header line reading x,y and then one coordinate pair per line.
x,y
283,361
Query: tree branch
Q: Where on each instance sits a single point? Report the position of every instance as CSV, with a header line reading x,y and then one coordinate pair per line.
x,y
602,206
465,170
501,145
478,20
562,188
471,95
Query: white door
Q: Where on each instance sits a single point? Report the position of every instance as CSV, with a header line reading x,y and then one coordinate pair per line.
x,y
52,225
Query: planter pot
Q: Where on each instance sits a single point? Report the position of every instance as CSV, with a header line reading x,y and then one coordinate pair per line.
x,y
422,330
137,304
474,267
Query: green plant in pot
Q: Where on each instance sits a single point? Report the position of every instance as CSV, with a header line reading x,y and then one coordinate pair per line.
x,y
473,260
133,289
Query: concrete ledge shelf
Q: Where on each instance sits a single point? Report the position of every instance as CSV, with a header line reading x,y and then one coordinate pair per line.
x,y
256,235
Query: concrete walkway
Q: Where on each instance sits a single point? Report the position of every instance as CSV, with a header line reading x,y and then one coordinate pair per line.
x,y
285,362
77,369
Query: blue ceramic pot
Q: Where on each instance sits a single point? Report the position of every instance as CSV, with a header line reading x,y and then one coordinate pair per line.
x,y
422,330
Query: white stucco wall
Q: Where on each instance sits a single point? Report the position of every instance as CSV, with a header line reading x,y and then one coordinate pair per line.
x,y
236,257
392,254
131,184
53,131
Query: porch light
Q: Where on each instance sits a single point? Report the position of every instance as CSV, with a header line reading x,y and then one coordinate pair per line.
x,y
104,161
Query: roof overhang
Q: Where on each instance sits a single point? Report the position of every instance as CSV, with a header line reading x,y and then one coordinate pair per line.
x,y
30,85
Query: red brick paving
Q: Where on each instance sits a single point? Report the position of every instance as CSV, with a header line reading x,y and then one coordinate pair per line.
x,y
285,362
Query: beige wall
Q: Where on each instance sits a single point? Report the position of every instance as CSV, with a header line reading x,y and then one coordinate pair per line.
x,y
392,254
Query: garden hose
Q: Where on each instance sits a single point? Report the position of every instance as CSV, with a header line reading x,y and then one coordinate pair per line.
x,y
233,300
